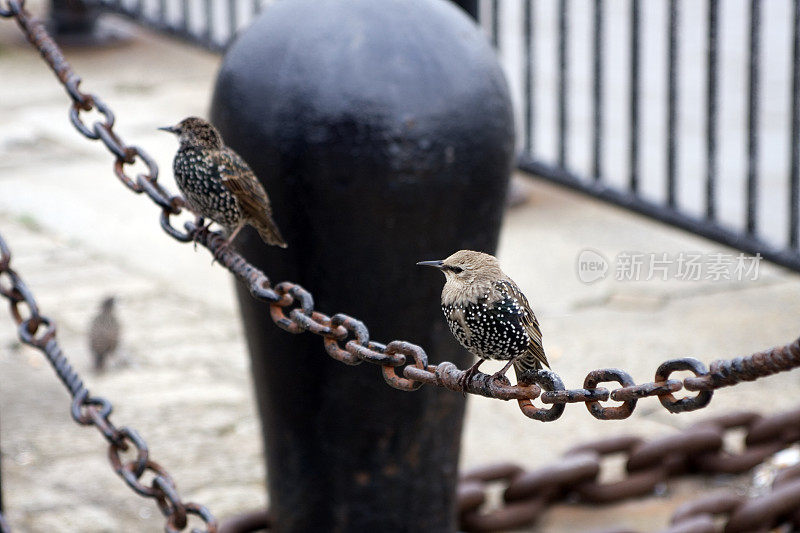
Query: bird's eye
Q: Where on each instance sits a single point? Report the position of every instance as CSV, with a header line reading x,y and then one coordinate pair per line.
x,y
457,269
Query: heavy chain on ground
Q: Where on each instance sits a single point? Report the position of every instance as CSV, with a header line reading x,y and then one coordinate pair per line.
x,y
525,496
404,365
700,448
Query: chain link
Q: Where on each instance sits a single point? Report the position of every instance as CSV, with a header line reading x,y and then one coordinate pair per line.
x,y
38,331
346,339
648,464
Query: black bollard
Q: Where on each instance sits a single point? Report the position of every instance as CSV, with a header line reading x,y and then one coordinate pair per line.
x,y
383,133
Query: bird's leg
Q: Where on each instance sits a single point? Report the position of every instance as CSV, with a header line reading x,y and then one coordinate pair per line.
x,y
199,227
233,235
469,374
227,243
502,372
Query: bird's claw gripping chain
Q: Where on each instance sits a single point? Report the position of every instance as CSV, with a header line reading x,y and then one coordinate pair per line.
x,y
39,331
404,365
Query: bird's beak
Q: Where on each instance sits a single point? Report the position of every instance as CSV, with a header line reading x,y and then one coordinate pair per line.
x,y
435,264
170,129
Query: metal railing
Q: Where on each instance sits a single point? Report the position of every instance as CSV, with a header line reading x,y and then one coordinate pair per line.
x,y
687,112
212,24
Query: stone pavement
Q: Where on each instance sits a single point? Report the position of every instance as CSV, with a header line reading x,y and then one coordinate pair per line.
x,y
182,376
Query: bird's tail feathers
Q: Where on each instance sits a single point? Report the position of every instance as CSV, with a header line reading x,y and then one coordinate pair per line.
x,y
528,363
271,234
99,361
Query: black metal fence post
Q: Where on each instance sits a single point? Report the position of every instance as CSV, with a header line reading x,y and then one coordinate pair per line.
x,y
384,135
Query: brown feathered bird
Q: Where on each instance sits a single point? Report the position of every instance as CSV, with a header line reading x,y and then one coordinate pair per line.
x,y
488,314
218,184
104,332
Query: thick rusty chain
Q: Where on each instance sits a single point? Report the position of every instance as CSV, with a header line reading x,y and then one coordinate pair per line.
x,y
649,464
39,331
575,478
404,365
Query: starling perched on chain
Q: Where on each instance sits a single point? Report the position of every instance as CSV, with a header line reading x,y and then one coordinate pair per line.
x,y
218,184
104,333
488,314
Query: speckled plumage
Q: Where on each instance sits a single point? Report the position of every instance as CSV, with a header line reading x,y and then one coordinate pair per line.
x,y
104,332
218,184
488,314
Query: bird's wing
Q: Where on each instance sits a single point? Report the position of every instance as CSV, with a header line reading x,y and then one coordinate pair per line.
x,y
244,185
529,322
104,334
458,316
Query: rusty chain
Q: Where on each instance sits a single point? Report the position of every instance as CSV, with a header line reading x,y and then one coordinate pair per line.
x,y
575,478
699,448
404,365
39,331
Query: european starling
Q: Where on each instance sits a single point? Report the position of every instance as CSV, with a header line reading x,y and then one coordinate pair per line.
x,y
104,333
488,314
218,184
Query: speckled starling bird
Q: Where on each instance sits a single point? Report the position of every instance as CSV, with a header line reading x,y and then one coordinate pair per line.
x,y
218,184
104,333
488,314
